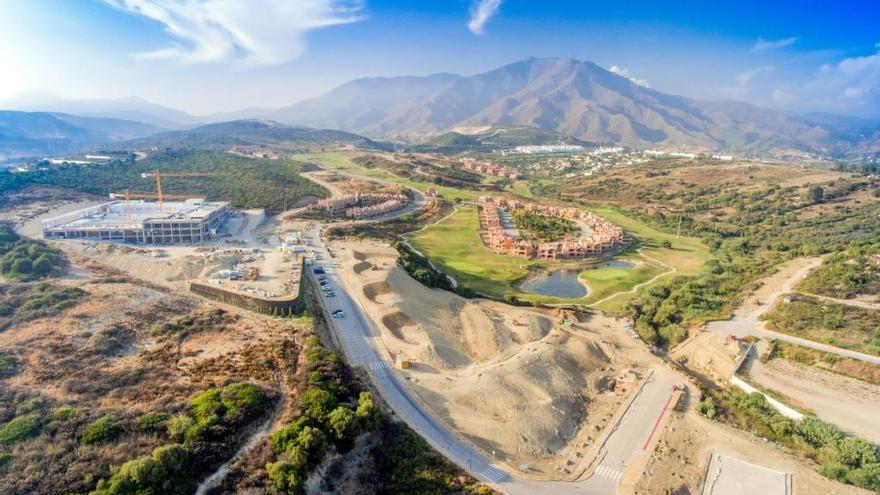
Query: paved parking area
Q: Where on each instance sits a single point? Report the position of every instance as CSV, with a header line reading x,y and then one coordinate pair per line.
x,y
731,476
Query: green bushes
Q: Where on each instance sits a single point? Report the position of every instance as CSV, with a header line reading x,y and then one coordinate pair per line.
x,y
24,260
245,182
100,430
63,413
324,421
162,473
19,429
543,227
842,457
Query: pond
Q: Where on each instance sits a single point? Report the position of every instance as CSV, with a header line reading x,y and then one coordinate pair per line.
x,y
558,283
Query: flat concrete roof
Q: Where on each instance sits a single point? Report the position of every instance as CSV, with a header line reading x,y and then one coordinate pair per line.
x,y
115,214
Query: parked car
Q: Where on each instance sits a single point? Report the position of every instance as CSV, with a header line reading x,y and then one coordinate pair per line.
x,y
338,314
330,294
327,288
318,271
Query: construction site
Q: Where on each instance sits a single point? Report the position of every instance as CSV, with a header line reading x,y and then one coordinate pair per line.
x,y
192,221
129,218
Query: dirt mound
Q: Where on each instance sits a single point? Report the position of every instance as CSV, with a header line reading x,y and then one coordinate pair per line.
x,y
358,255
376,289
396,323
362,266
710,354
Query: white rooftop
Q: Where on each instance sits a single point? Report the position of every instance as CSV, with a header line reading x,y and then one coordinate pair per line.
x,y
116,214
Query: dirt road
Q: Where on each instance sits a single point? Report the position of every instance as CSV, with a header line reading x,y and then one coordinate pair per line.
x,y
846,402
746,320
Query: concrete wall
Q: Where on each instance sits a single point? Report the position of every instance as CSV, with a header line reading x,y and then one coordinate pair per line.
x,y
782,408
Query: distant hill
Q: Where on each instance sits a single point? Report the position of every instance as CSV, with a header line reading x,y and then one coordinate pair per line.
x,y
129,108
222,136
576,98
38,134
499,137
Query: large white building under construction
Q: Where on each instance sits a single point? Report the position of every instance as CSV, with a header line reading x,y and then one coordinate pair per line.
x,y
193,221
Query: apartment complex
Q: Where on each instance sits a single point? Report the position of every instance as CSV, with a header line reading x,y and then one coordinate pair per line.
x,y
357,206
489,168
597,233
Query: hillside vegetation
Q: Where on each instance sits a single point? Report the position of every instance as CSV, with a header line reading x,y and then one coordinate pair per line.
x,y
245,182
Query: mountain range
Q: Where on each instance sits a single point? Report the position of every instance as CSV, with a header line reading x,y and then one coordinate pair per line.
x,y
577,100
37,134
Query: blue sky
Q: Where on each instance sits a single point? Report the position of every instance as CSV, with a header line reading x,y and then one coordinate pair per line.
x,y
221,55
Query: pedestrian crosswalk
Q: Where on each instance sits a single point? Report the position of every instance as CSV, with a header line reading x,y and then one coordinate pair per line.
x,y
493,475
378,364
607,472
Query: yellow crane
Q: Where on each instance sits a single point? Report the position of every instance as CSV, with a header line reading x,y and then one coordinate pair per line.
x,y
158,175
128,196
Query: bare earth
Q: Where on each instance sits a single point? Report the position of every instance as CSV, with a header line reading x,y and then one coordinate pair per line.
x,y
846,402
513,381
709,354
679,463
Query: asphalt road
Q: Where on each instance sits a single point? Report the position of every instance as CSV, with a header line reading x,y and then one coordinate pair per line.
x,y
362,347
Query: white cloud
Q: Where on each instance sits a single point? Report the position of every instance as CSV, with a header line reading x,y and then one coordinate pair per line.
x,y
622,71
259,32
481,12
763,44
743,83
850,86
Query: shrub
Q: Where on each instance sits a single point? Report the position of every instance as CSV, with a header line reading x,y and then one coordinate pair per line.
x,y
343,425
317,403
178,426
5,460
313,442
153,422
63,413
368,412
162,473
20,429
285,478
100,430
706,407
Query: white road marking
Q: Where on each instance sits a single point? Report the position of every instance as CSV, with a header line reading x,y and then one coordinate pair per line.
x,y
493,474
607,472
378,364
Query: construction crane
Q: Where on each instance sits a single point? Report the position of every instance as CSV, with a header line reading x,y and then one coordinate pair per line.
x,y
128,196
158,175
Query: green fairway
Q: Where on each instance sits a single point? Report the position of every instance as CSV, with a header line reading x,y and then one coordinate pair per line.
x,y
455,245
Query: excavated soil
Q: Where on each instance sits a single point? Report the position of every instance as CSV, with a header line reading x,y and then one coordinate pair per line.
x,y
512,380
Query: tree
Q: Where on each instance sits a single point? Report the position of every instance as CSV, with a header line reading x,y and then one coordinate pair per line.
x,y
285,477
816,194
317,403
313,442
368,412
343,426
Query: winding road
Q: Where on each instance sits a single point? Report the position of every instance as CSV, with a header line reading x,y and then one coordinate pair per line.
x,y
628,440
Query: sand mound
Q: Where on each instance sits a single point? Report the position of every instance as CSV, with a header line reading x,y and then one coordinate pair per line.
x,y
510,379
376,289
362,267
397,323
710,354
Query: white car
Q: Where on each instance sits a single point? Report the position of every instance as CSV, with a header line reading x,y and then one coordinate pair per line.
x,y
338,314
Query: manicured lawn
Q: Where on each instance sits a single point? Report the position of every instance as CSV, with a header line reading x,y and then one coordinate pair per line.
x,y
455,245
